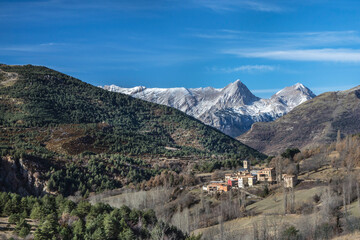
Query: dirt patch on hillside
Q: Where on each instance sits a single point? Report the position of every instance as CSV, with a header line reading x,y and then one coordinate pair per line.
x,y
8,79
71,139
187,138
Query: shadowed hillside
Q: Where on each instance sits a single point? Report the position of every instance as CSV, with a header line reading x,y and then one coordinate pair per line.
x,y
315,121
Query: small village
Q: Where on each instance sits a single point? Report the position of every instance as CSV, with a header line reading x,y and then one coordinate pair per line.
x,y
247,177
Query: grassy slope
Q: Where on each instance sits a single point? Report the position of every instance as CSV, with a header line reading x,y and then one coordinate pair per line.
x,y
268,210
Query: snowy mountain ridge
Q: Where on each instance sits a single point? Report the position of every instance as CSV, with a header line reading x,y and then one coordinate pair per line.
x,y
232,109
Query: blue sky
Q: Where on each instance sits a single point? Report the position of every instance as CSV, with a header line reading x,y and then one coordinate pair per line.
x,y
188,43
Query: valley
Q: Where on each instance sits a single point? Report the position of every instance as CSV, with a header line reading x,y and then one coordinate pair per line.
x,y
179,120
124,158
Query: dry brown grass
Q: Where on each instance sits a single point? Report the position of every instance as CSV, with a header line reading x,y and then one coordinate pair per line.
x,y
71,139
8,79
268,210
274,203
351,236
185,137
6,229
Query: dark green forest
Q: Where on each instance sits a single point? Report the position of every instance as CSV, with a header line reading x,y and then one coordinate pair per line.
x,y
59,218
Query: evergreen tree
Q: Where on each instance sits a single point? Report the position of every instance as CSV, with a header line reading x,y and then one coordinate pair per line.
x,y
14,218
8,208
98,234
48,229
22,228
65,233
83,209
36,212
127,234
78,229
111,227
39,235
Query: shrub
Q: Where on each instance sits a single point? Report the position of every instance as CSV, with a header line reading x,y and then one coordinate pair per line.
x,y
304,208
14,218
316,198
290,233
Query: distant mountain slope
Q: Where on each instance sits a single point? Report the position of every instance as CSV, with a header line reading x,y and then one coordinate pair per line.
x,y
315,121
34,96
232,109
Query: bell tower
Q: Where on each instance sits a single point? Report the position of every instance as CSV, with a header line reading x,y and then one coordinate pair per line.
x,y
246,164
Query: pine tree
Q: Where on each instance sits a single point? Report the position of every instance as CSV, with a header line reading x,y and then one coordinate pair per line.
x,y
8,209
127,234
36,212
14,218
65,233
98,234
48,228
111,227
22,228
83,209
78,229
39,235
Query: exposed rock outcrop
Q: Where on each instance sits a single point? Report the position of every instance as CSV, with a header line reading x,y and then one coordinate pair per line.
x,y
18,175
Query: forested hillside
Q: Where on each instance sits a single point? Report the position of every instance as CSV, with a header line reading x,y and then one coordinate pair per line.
x,y
41,97
59,218
71,136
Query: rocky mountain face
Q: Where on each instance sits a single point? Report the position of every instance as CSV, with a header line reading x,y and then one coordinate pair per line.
x,y
21,176
232,109
313,122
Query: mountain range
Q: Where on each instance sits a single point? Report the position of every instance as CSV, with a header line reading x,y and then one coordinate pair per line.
x,y
232,109
314,122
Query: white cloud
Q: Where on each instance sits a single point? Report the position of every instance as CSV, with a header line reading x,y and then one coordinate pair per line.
x,y
280,40
43,47
245,68
214,36
233,5
320,38
325,54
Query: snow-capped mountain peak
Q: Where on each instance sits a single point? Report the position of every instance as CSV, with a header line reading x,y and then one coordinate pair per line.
x,y
294,95
232,109
237,92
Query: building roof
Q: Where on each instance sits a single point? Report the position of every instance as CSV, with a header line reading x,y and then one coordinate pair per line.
x,y
267,169
288,176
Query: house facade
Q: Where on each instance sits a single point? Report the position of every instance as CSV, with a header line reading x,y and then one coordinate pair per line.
x,y
246,181
266,175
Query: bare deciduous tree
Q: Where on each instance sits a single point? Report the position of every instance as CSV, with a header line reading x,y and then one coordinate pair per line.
x,y
285,200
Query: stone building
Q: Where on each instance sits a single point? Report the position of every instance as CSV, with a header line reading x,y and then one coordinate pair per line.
x,y
290,181
266,175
